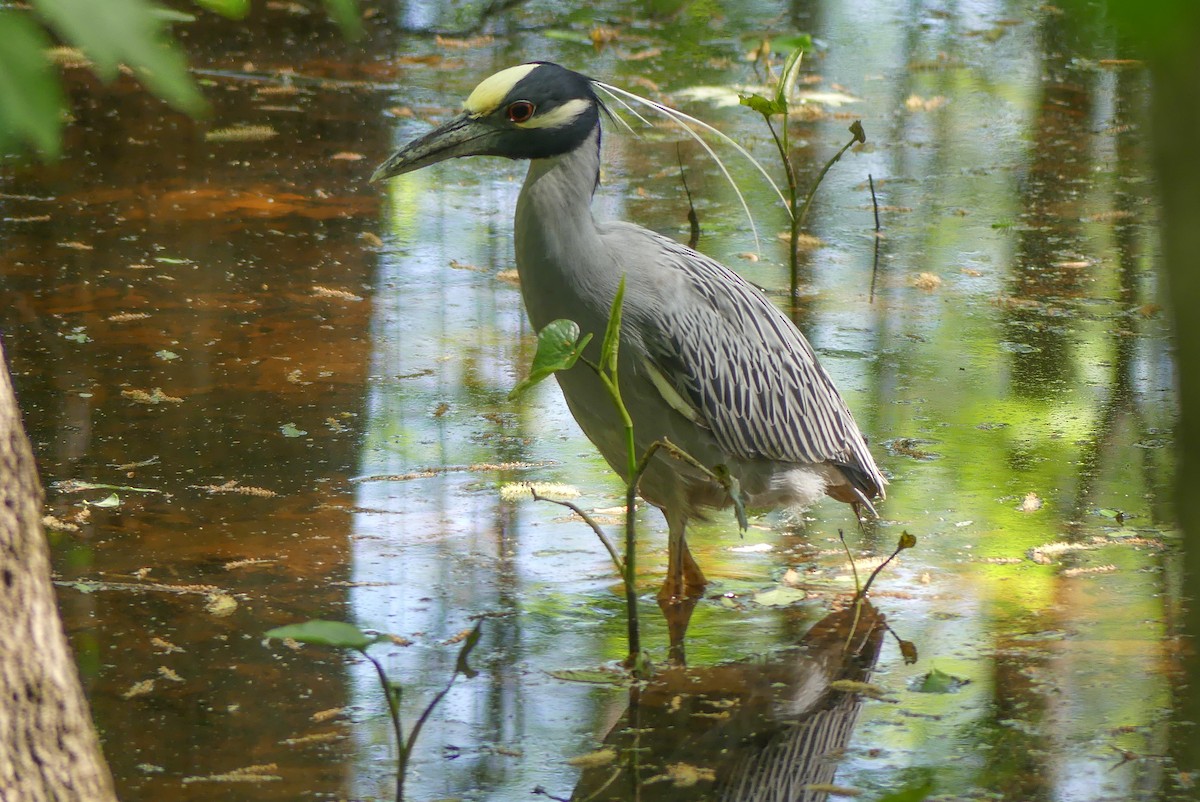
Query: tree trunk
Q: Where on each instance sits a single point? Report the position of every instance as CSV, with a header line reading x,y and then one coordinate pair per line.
x,y
48,748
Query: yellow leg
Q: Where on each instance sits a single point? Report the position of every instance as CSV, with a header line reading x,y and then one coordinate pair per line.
x,y
684,577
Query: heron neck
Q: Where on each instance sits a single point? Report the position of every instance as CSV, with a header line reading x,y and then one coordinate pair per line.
x,y
554,229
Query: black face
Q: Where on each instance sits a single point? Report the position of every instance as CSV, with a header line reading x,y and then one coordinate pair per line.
x,y
543,114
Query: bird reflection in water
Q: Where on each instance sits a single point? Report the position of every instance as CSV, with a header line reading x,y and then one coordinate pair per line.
x,y
766,730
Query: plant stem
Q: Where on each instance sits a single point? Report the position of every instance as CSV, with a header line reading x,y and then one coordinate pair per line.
x,y
612,550
394,711
783,146
629,574
808,200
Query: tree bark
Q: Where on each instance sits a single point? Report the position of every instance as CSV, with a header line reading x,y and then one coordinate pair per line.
x,y
48,747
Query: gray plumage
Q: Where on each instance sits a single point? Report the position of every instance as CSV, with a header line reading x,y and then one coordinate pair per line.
x,y
705,359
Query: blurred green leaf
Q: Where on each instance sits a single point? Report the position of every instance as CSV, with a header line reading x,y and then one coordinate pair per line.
x,y
31,99
345,14
112,500
916,791
781,596
290,429
612,334
801,41
561,35
336,634
559,348
171,15
939,682
116,32
234,9
907,541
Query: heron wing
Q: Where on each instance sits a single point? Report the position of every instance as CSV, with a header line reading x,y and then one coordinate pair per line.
x,y
747,371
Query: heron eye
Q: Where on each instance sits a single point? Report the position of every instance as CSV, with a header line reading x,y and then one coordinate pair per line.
x,y
520,111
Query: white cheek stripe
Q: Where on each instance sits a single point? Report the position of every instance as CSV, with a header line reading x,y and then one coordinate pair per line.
x,y
559,116
487,96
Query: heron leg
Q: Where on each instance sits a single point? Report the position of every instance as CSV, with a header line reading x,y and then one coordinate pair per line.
x,y
678,613
684,577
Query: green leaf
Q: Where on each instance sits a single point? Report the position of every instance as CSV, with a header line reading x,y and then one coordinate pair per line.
x,y
915,791
781,596
760,104
939,682
31,100
166,355
907,541
559,348
801,41
464,651
345,14
112,500
612,334
337,634
234,9
290,430
126,32
787,79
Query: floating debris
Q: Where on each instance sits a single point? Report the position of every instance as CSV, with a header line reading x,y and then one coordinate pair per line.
x,y
139,689
249,774
516,491
232,486
242,133
157,396
601,757
927,281
327,292
169,674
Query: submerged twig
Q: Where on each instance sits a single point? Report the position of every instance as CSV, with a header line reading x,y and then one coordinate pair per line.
x,y
693,219
590,521
874,202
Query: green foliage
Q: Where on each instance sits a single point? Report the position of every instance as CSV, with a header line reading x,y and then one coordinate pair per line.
x,y
335,634
116,32
234,9
783,88
559,348
937,681
345,14
110,33
30,97
916,791
340,635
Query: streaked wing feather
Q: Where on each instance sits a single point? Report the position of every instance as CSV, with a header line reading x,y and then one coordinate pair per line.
x,y
750,373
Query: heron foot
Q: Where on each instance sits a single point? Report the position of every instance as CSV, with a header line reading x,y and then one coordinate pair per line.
x,y
679,589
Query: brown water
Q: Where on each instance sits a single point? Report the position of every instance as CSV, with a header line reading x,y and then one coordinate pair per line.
x,y
333,361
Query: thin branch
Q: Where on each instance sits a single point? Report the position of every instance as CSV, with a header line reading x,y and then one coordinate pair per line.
x,y
874,202
858,136
612,551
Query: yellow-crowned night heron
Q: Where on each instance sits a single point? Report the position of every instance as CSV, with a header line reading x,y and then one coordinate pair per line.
x,y
705,359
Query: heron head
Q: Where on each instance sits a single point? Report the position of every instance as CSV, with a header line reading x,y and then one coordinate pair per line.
x,y
530,111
